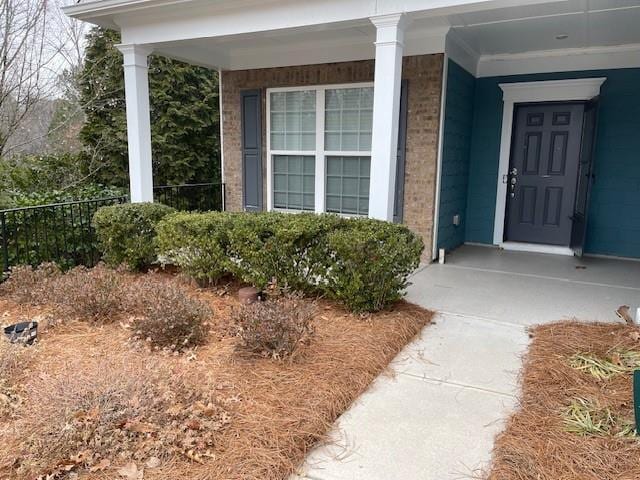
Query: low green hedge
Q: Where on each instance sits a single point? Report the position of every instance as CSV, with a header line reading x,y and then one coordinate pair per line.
x,y
362,263
127,232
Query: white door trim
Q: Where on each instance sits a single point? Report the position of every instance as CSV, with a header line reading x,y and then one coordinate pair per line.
x,y
525,92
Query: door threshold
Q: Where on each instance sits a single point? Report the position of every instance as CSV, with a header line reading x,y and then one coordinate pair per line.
x,y
536,248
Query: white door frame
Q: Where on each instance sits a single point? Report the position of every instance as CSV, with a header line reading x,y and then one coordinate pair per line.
x,y
527,92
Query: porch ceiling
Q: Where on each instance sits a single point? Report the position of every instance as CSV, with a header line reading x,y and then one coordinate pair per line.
x,y
551,26
334,42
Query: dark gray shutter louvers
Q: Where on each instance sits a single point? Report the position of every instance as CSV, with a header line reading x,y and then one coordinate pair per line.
x,y
251,127
398,204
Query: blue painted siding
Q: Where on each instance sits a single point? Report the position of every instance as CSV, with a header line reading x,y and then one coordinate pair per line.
x,y
614,211
456,142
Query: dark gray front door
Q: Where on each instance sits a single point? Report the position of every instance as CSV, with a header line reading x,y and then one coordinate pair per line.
x,y
543,173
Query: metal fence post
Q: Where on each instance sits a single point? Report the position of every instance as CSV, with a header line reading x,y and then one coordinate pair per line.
x,y
5,246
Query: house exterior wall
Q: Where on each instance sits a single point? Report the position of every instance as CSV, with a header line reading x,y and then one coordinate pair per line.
x,y
456,143
614,212
424,75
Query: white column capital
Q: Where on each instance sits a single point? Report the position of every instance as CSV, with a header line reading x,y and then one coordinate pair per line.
x,y
390,28
135,55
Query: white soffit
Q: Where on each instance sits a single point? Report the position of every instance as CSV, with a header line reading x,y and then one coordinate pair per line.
x,y
562,36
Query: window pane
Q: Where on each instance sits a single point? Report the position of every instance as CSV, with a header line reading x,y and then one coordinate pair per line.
x,y
347,185
351,166
293,120
348,119
334,185
365,142
349,142
277,141
294,182
279,182
278,102
350,186
332,142
280,164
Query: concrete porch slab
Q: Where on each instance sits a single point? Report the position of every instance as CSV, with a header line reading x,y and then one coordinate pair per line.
x,y
516,298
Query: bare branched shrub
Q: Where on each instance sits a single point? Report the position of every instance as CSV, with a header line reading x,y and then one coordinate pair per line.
x,y
13,359
274,328
97,293
29,285
169,317
116,409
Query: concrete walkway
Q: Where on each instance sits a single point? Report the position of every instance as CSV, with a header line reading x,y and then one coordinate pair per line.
x,y
436,416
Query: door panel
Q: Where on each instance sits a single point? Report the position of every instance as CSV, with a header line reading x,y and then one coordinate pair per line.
x,y
585,178
543,173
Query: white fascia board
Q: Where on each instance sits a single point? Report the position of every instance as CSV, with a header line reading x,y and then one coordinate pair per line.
x,y
565,60
153,21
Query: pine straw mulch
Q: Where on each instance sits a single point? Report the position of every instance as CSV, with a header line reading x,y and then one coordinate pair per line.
x,y
268,413
537,443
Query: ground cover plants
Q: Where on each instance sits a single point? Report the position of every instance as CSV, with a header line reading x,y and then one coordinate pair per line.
x,y
575,419
149,376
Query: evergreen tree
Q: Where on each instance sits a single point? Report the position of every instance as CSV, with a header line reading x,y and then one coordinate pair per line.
x,y
184,115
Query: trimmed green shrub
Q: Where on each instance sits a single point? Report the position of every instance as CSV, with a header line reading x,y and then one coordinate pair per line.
x,y
197,243
370,263
361,263
282,248
126,233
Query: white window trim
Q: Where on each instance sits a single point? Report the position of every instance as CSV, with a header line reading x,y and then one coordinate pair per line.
x,y
528,92
319,153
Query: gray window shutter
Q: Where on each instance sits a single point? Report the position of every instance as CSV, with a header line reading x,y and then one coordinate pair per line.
x,y
251,126
398,205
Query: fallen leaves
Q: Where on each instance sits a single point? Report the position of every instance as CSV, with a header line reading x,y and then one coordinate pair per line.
x,y
100,466
131,472
153,462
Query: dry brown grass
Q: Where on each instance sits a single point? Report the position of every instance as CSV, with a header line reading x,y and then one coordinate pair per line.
x,y
276,410
538,443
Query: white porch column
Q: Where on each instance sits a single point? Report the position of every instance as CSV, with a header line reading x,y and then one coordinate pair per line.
x,y
136,85
386,113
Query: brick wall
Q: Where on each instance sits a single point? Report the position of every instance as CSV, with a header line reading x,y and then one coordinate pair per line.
x,y
424,75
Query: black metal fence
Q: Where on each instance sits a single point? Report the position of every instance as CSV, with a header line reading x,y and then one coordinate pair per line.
x,y
196,196
62,232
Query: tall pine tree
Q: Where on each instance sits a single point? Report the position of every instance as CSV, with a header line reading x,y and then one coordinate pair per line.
x,y
184,116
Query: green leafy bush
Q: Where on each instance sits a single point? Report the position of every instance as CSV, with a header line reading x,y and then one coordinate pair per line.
x,y
197,243
370,263
282,248
126,232
362,263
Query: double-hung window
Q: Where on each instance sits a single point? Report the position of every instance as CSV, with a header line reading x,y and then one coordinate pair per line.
x,y
319,147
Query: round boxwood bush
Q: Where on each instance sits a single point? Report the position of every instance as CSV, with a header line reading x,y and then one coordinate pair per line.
x,y
127,232
369,263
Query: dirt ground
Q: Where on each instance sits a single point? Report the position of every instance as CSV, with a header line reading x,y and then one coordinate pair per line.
x,y
273,411
538,443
